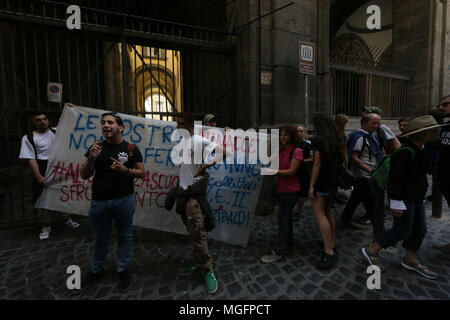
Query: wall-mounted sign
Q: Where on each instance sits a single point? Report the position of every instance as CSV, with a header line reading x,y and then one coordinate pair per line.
x,y
307,57
266,78
54,92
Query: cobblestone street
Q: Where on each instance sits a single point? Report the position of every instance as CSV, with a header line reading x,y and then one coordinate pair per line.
x,y
33,269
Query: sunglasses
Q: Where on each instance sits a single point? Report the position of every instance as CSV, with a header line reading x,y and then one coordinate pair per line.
x,y
445,104
115,115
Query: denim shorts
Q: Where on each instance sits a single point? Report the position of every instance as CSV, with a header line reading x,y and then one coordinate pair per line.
x,y
331,193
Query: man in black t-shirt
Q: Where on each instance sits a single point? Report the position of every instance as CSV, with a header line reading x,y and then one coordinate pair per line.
x,y
115,163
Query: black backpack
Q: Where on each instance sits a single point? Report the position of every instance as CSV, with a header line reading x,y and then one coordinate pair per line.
x,y
31,140
302,173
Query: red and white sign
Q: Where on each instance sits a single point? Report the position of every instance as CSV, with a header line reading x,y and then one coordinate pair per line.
x,y
307,57
54,92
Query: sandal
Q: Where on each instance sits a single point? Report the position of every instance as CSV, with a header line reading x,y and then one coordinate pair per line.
x,y
374,260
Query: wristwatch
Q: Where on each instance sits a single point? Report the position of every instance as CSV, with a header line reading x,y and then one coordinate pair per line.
x,y
128,171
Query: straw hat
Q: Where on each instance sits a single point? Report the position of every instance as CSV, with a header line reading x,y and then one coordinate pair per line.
x,y
421,124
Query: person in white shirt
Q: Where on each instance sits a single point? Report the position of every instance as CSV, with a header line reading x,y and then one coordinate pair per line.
x,y
35,149
191,173
388,142
363,160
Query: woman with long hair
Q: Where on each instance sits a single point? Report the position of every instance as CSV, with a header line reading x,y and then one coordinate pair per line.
x,y
341,121
288,188
329,157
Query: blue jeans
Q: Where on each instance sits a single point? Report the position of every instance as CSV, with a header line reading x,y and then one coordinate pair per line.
x,y
410,228
101,216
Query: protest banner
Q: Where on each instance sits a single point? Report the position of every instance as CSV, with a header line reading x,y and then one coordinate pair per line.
x,y
233,189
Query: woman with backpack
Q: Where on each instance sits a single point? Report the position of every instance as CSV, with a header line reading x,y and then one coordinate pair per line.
x,y
407,186
329,157
288,188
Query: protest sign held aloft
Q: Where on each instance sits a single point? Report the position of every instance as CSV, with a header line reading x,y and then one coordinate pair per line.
x,y
233,189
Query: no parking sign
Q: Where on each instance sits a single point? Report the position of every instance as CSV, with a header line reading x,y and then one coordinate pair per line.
x,y
54,92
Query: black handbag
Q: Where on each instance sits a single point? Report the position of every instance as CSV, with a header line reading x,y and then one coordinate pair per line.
x,y
345,178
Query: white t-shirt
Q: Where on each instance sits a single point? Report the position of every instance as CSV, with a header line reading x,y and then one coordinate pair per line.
x,y
42,143
385,134
369,160
188,171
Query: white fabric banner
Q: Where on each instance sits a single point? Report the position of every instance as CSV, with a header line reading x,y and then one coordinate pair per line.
x,y
232,193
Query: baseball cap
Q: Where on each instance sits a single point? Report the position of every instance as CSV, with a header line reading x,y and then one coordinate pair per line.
x,y
208,117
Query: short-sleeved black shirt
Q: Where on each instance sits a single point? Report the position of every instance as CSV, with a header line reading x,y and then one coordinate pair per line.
x,y
109,184
306,149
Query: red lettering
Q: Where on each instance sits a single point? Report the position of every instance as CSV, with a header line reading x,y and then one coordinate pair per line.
x,y
251,148
145,180
80,190
159,184
157,197
63,191
69,172
138,198
155,185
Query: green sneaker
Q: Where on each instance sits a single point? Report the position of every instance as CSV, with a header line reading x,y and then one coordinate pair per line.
x,y
211,282
190,269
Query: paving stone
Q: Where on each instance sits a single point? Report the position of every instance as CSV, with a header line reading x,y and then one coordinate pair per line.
x,y
395,283
291,290
354,287
228,278
288,268
402,294
272,289
272,269
427,283
338,278
185,296
299,279
438,294
309,288
280,280
102,292
360,279
322,295
298,263
253,288
147,292
225,268
445,288
234,289
417,290
256,270
330,287
347,296
373,295
263,280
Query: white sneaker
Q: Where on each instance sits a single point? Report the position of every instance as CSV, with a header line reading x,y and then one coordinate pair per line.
x,y
270,256
45,233
72,224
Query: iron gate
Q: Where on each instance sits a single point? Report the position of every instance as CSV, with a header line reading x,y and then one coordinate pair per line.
x,y
133,74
